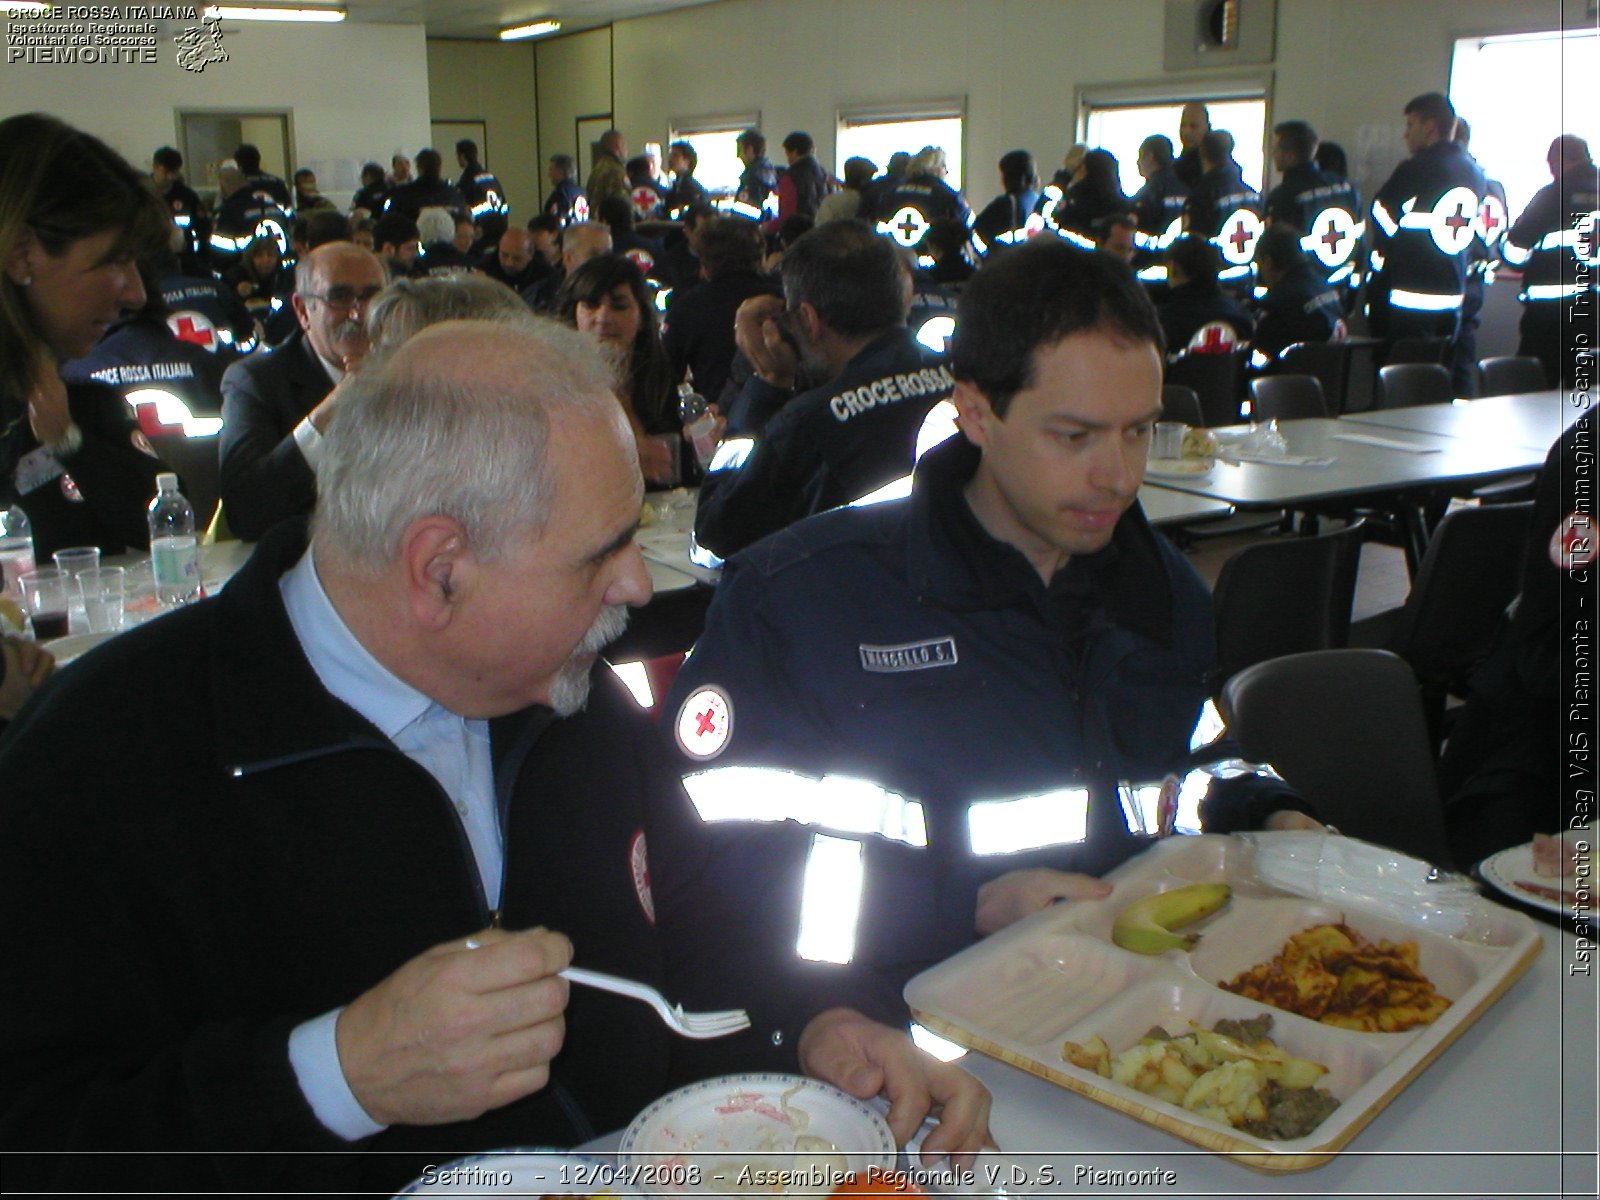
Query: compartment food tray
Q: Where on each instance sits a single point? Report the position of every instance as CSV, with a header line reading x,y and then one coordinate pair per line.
x,y
1057,976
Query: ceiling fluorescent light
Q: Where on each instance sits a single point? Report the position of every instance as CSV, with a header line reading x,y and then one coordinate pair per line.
x,y
229,12
518,32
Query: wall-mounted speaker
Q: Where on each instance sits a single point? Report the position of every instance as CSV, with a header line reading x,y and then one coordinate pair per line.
x,y
1219,33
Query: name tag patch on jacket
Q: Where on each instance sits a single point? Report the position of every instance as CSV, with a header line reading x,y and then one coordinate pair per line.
x,y
912,656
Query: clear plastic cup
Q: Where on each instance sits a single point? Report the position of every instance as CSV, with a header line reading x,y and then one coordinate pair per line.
x,y
1168,441
76,559
103,590
45,596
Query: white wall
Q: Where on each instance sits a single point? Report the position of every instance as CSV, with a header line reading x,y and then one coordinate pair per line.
x,y
1347,66
357,92
492,82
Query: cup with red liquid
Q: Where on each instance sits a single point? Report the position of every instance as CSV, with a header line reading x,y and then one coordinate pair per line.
x,y
45,594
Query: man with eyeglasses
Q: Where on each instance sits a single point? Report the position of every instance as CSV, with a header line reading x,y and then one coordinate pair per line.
x,y
275,407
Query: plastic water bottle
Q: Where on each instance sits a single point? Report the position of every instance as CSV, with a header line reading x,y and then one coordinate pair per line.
x,y
174,550
699,423
16,549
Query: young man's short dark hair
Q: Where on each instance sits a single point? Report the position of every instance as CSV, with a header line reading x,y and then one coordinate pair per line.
x,y
1017,171
1280,244
321,226
1435,107
1298,138
799,142
544,223
615,211
371,173
858,172
850,275
168,159
729,244
1198,259
304,173
753,138
248,158
688,151
395,229
429,164
1159,147
565,163
1034,296
469,148
1216,146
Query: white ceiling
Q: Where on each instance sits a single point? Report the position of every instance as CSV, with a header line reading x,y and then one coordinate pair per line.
x,y
485,18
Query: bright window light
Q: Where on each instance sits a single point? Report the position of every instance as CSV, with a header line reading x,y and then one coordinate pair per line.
x,y
229,12
878,138
719,166
1519,94
1120,129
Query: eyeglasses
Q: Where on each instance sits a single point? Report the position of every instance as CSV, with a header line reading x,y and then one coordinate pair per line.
x,y
344,296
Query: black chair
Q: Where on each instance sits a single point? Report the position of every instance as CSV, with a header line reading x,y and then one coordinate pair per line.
x,y
1469,574
1327,362
1408,385
1286,398
1217,379
1508,375
199,475
1179,403
1346,729
1286,595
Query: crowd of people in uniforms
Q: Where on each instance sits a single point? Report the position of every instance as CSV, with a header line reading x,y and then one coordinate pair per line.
x,y
951,675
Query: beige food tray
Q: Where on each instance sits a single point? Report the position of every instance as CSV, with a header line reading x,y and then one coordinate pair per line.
x,y
1017,996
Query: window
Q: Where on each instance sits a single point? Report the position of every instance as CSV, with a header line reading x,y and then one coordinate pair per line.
x,y
1519,93
713,139
1120,127
876,134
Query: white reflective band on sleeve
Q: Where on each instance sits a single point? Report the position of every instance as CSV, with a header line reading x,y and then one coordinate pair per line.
x,y
731,454
1058,818
926,262
1190,792
1238,272
1208,727
830,906
1375,261
637,680
701,557
895,489
1152,275
978,244
1552,291
930,1042
1385,219
181,220
935,332
662,296
834,802
1258,359
1343,273
737,208
1423,301
277,303
1258,292
1077,239
937,427
1514,255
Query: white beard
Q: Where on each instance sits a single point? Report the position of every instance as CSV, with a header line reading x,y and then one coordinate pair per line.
x,y
570,692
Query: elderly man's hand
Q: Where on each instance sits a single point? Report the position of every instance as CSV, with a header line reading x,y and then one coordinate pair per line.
x,y
756,330
458,1031
1017,894
866,1058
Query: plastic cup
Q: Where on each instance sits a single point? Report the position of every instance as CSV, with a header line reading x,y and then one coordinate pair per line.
x,y
103,590
76,559
45,593
1168,442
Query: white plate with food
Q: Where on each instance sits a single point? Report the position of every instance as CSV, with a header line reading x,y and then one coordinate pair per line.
x,y
1177,468
1543,873
758,1134
520,1172
1149,1001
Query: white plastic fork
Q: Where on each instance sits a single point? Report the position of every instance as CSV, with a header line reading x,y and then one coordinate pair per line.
x,y
691,1025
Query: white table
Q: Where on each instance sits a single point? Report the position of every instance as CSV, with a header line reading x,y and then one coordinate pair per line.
x,y
1495,1115
1165,507
1531,420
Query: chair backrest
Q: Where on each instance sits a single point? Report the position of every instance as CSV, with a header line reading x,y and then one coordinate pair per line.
x,y
1179,403
1217,379
199,475
1407,385
1286,397
1286,595
1329,362
1469,573
1507,375
1346,729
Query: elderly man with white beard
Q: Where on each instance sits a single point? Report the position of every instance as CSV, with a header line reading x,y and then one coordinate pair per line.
x,y
297,923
